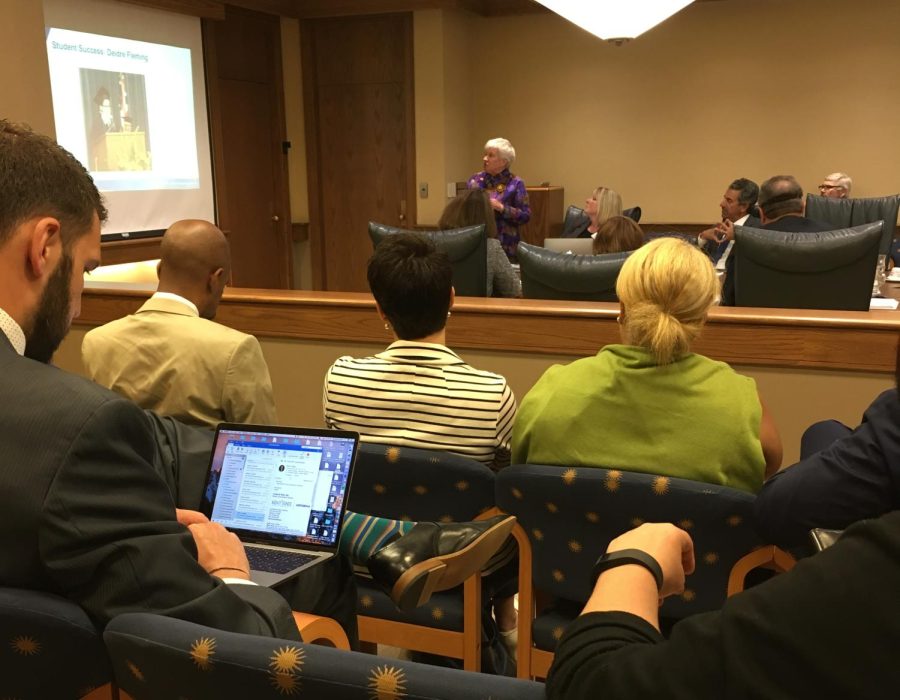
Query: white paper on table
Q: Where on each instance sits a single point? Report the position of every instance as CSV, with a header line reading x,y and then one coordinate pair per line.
x,y
887,304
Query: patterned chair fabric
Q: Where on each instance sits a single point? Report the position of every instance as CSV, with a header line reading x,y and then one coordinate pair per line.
x,y
160,658
571,514
49,648
413,484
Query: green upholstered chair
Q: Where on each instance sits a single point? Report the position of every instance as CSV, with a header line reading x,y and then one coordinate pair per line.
x,y
550,275
466,247
828,270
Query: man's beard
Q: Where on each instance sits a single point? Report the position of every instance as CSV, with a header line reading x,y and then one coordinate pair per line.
x,y
51,320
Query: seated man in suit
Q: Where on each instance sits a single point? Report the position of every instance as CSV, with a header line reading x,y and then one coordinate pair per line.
x,y
738,206
170,356
781,208
836,186
89,514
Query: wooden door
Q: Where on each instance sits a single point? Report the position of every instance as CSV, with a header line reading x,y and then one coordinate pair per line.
x,y
360,153
246,103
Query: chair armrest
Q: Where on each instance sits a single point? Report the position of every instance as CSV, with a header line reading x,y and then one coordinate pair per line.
x,y
769,557
321,630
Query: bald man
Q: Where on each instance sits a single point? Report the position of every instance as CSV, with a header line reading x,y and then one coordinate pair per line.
x,y
170,356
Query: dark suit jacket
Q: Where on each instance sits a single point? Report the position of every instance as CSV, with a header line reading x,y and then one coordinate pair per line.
x,y
791,224
86,514
856,478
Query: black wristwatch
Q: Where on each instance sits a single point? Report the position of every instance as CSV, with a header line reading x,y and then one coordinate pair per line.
x,y
627,556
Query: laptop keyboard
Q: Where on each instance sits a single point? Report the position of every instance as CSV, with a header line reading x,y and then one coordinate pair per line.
x,y
276,561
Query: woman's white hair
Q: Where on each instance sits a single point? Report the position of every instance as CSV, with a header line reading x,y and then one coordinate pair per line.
x,y
504,149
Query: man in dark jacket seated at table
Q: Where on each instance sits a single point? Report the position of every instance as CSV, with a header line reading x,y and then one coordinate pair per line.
x,y
781,208
88,481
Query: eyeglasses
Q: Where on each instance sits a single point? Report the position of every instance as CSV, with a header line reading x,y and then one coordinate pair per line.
x,y
824,187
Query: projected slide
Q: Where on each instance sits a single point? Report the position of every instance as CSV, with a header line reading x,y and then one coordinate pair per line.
x,y
125,109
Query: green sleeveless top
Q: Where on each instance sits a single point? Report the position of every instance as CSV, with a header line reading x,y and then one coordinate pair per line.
x,y
694,419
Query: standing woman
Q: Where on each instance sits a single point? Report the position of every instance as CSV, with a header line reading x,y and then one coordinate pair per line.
x,y
507,193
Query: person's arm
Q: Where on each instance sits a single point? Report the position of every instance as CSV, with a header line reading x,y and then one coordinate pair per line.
x,y
505,281
516,209
819,630
247,395
770,439
854,478
110,542
506,416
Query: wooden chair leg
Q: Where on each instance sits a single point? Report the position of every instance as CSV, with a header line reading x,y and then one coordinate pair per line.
x,y
472,623
321,630
770,557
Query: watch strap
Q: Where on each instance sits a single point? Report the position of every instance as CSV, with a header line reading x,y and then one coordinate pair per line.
x,y
610,560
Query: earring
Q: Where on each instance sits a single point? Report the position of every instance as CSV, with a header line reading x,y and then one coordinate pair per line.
x,y
448,314
618,319
387,326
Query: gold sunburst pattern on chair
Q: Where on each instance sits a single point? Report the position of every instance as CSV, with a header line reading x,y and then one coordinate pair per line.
x,y
286,663
568,476
558,576
202,651
462,485
592,517
25,645
437,613
686,524
538,534
135,671
661,485
445,519
688,595
392,454
734,520
380,489
517,493
710,558
613,480
574,546
637,522
420,489
387,683
558,633
552,507
366,601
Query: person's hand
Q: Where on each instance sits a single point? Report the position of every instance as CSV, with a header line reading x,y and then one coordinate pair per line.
x,y
725,231
496,205
669,545
710,234
219,552
189,517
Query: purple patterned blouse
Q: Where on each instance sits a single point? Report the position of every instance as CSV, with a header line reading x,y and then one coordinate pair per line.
x,y
510,190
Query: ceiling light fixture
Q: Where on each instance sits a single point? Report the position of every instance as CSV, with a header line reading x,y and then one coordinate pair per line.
x,y
616,21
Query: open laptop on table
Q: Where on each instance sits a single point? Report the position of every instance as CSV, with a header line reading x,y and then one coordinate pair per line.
x,y
283,492
576,246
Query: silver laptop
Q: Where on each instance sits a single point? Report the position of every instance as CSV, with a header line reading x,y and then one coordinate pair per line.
x,y
577,246
283,492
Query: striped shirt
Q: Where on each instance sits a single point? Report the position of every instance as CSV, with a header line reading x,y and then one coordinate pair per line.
x,y
422,395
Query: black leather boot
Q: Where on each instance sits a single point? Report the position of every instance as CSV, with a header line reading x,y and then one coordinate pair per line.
x,y
435,557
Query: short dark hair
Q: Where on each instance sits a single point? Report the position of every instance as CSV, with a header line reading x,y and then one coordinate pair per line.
x,y
780,195
38,177
748,191
411,281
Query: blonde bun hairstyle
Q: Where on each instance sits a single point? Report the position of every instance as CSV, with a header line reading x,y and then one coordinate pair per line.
x,y
666,289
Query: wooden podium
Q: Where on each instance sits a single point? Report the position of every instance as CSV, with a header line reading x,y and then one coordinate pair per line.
x,y
547,211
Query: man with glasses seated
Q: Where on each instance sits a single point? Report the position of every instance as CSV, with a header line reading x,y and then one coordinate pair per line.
x,y
836,186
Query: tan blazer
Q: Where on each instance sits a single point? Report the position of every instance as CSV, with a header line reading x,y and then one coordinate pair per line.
x,y
168,359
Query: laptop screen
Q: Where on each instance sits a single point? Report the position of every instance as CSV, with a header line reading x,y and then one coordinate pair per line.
x,y
280,484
